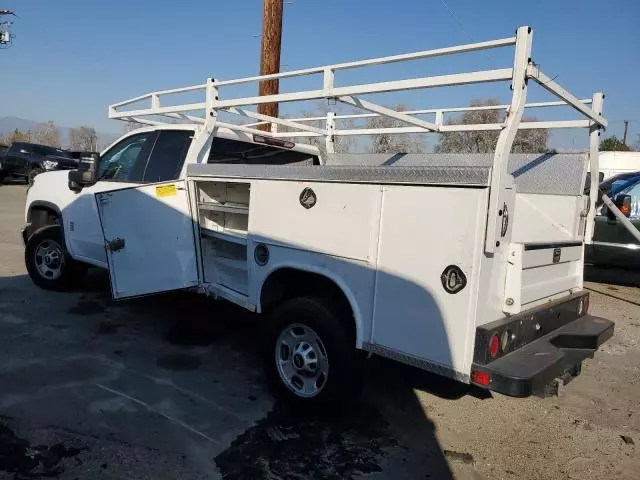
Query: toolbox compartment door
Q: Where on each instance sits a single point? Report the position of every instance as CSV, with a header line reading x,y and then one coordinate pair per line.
x,y
149,239
538,273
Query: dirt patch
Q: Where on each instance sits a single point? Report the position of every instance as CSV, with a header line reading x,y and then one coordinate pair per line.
x,y
179,362
87,307
19,457
289,445
459,456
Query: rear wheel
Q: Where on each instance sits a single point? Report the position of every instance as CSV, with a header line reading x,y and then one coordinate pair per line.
x,y
311,358
32,175
49,264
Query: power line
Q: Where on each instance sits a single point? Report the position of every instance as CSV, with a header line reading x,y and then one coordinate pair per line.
x,y
455,19
487,53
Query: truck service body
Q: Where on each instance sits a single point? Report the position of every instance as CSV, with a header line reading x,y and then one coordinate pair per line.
x,y
466,265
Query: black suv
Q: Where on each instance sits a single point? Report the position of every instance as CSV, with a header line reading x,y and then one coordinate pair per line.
x,y
26,160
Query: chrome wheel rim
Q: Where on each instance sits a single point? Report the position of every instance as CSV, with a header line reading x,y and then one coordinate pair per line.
x,y
301,360
49,259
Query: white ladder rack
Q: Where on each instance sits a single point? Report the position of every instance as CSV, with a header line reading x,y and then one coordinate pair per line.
x,y
522,70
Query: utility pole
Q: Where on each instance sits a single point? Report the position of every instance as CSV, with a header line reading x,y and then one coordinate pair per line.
x,y
270,54
626,127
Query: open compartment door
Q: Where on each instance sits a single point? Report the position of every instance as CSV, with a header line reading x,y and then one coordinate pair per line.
x,y
149,239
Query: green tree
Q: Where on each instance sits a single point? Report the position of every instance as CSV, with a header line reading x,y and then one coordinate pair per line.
x,y
17,136
613,144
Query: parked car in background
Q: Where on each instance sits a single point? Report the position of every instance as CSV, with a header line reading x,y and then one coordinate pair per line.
x,y
614,163
613,245
3,152
26,160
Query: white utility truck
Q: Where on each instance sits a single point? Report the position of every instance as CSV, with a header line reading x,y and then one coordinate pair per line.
x,y
469,266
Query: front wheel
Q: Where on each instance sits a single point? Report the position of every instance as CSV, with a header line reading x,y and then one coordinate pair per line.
x,y
49,264
311,358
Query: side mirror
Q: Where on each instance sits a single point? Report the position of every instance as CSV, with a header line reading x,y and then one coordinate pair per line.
x,y
623,202
86,174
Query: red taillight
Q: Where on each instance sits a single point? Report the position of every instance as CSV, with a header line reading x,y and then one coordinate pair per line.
x,y
481,378
494,345
585,304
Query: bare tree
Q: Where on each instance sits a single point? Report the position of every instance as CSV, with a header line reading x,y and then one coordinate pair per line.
x,y
83,138
131,126
485,141
46,134
341,144
394,142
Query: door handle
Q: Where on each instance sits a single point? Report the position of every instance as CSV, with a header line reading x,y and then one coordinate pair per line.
x,y
115,244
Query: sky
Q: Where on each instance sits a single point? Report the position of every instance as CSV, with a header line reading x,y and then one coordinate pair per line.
x,y
72,58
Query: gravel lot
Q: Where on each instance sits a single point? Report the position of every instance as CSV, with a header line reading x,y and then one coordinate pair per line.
x,y
172,387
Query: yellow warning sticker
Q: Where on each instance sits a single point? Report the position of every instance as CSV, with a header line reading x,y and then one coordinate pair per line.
x,y
166,190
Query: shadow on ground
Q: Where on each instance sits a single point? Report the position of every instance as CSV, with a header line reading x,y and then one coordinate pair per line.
x,y
612,276
386,432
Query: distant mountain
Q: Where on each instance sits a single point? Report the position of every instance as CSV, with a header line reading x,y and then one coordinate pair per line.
x,y
9,124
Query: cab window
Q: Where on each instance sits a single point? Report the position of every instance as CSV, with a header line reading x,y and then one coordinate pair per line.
x,y
168,155
224,150
126,161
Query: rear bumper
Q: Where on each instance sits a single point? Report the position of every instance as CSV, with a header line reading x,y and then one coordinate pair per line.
x,y
529,369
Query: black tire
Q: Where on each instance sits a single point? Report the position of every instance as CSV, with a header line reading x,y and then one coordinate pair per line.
x,y
70,271
328,321
32,175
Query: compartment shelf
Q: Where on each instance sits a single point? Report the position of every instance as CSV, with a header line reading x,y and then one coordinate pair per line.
x,y
231,263
238,238
219,207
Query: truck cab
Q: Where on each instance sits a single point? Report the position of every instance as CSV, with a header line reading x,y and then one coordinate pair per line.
x,y
147,155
